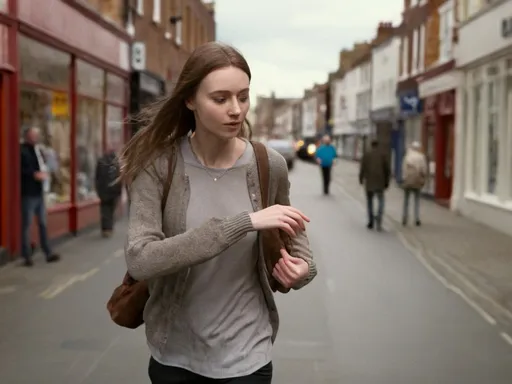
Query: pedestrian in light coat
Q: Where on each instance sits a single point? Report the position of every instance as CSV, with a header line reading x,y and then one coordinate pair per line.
x,y
414,171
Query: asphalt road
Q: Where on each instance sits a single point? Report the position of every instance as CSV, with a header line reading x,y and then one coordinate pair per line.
x,y
374,314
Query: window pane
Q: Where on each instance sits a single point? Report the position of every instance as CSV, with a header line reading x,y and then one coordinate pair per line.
x,y
90,80
492,132
49,111
115,128
116,87
508,116
88,145
44,65
477,94
492,153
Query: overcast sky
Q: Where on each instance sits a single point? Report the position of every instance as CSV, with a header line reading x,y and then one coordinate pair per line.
x,y
291,44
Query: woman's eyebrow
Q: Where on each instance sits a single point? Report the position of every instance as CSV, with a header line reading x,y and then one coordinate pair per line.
x,y
224,91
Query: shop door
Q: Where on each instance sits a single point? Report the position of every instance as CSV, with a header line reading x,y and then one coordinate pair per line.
x,y
445,188
3,162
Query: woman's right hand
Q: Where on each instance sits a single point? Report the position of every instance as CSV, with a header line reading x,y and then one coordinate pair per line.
x,y
284,217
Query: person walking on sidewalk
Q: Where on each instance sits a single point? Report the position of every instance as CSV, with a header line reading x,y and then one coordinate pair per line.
x,y
325,156
109,190
374,173
414,171
34,173
211,315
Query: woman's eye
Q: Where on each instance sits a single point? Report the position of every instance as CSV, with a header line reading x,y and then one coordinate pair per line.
x,y
219,100
243,99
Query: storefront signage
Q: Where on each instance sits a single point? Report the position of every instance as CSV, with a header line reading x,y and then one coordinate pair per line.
x,y
410,103
139,56
383,114
60,104
74,28
150,84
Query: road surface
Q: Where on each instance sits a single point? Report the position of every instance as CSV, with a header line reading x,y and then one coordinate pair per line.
x,y
374,314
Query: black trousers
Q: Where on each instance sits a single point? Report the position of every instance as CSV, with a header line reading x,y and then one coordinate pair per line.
x,y
163,374
326,178
107,211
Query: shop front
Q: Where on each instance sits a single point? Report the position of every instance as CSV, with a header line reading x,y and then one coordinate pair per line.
x,y
483,173
438,133
145,88
408,127
7,93
72,84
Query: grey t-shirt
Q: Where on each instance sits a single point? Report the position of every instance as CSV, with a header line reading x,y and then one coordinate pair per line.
x,y
223,328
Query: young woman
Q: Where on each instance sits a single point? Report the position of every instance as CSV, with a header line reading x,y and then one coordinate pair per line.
x,y
211,315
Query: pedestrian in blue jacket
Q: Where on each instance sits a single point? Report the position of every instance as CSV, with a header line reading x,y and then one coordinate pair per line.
x,y
325,156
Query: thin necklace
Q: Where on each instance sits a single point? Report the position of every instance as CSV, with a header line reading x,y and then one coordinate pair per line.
x,y
205,168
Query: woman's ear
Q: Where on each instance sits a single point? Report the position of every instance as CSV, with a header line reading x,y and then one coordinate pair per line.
x,y
191,104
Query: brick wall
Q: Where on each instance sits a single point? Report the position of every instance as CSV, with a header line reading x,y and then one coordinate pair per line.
x,y
165,56
432,43
112,10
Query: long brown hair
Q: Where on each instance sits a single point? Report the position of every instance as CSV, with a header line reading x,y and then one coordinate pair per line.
x,y
169,119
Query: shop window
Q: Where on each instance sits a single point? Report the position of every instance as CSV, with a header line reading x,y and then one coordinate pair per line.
x,y
90,80
492,137
116,89
49,111
115,124
89,145
476,116
508,117
41,64
89,127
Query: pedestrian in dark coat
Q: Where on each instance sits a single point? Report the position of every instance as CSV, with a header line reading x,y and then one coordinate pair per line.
x,y
109,190
375,173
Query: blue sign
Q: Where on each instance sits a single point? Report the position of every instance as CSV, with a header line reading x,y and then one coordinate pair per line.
x,y
410,103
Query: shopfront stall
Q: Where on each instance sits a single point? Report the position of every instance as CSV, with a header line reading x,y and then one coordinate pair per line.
x,y
72,84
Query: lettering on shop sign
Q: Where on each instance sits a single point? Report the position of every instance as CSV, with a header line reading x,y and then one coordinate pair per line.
x,y
506,27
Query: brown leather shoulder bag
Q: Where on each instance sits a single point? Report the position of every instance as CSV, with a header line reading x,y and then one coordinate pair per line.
x,y
126,305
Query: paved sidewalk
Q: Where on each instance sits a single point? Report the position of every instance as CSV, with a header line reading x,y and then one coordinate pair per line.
x,y
474,260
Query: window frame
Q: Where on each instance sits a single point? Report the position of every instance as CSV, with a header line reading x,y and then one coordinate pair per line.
x,y
477,144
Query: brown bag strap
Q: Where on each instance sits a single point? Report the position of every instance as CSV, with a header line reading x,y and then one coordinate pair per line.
x,y
167,186
260,151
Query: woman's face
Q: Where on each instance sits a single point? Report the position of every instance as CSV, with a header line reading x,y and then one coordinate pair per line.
x,y
221,102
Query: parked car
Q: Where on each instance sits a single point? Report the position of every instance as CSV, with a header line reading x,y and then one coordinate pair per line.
x,y
285,147
306,149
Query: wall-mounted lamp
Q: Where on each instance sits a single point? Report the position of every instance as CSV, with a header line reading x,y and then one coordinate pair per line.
x,y
175,19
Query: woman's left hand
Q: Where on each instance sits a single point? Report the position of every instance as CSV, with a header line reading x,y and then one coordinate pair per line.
x,y
290,270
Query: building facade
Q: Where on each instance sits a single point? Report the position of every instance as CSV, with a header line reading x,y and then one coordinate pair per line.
x,y
483,173
350,138
71,80
339,107
310,111
413,47
363,125
165,33
283,121
436,88
383,114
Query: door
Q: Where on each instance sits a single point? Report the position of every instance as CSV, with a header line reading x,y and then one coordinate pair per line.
x,y
3,174
448,149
